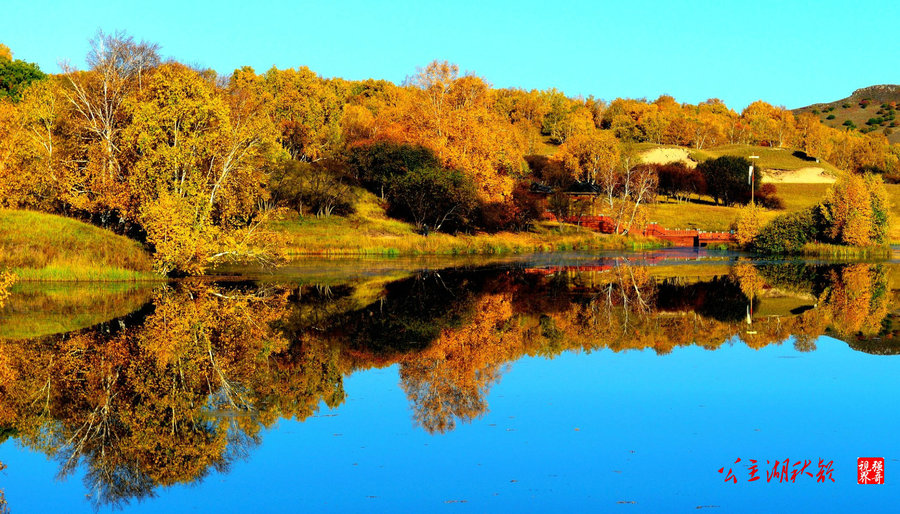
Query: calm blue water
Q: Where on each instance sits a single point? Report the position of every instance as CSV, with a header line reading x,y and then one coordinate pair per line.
x,y
629,431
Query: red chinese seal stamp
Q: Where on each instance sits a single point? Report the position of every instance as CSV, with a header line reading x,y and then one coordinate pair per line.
x,y
870,470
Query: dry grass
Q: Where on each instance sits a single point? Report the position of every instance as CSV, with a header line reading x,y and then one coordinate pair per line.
x,y
39,246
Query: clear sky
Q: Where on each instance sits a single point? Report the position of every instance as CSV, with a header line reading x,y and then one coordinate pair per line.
x,y
790,53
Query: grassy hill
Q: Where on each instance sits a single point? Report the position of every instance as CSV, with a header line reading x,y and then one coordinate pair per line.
x,y
769,158
39,246
860,107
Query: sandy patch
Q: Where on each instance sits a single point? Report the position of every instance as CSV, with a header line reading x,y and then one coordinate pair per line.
x,y
667,155
808,175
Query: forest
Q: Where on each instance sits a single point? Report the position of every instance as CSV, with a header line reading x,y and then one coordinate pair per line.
x,y
199,167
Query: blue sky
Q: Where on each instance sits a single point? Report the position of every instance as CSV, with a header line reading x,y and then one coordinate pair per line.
x,y
787,53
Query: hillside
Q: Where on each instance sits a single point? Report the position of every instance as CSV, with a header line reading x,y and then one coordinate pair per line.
x,y
39,246
778,165
868,109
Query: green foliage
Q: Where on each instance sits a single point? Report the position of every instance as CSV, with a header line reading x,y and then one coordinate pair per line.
x,y
433,198
378,164
16,76
788,233
726,179
830,117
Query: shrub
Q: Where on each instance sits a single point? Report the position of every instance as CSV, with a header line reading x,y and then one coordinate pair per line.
x,y
432,198
830,117
517,214
311,189
789,232
766,197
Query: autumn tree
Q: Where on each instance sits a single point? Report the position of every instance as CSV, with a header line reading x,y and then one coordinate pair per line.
x,y
812,136
308,112
526,111
97,99
197,155
592,157
455,117
748,224
769,125
856,211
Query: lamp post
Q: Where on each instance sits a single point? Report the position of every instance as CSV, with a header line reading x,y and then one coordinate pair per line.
x,y
752,180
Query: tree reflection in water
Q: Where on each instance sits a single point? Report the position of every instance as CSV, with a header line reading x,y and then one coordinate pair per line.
x,y
184,385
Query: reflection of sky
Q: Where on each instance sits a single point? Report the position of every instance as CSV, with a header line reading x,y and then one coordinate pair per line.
x,y
581,430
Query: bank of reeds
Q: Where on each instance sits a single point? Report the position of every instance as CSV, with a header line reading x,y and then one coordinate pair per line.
x,y
845,252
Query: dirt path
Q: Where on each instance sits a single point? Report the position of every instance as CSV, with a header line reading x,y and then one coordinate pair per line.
x,y
667,155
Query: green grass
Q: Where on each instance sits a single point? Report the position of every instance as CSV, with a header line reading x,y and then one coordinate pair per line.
x,y
769,158
46,247
801,196
370,232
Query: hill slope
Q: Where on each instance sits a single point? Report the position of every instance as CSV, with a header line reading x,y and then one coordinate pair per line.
x,y
865,104
39,246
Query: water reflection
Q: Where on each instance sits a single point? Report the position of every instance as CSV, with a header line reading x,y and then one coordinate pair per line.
x,y
185,384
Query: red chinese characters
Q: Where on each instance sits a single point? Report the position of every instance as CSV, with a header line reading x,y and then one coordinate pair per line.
x,y
787,471
870,470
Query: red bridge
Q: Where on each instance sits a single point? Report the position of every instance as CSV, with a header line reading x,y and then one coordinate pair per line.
x,y
607,225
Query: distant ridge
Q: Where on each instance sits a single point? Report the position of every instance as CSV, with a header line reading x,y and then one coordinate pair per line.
x,y
868,109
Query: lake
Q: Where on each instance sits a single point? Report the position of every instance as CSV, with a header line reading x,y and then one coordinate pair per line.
x,y
671,380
